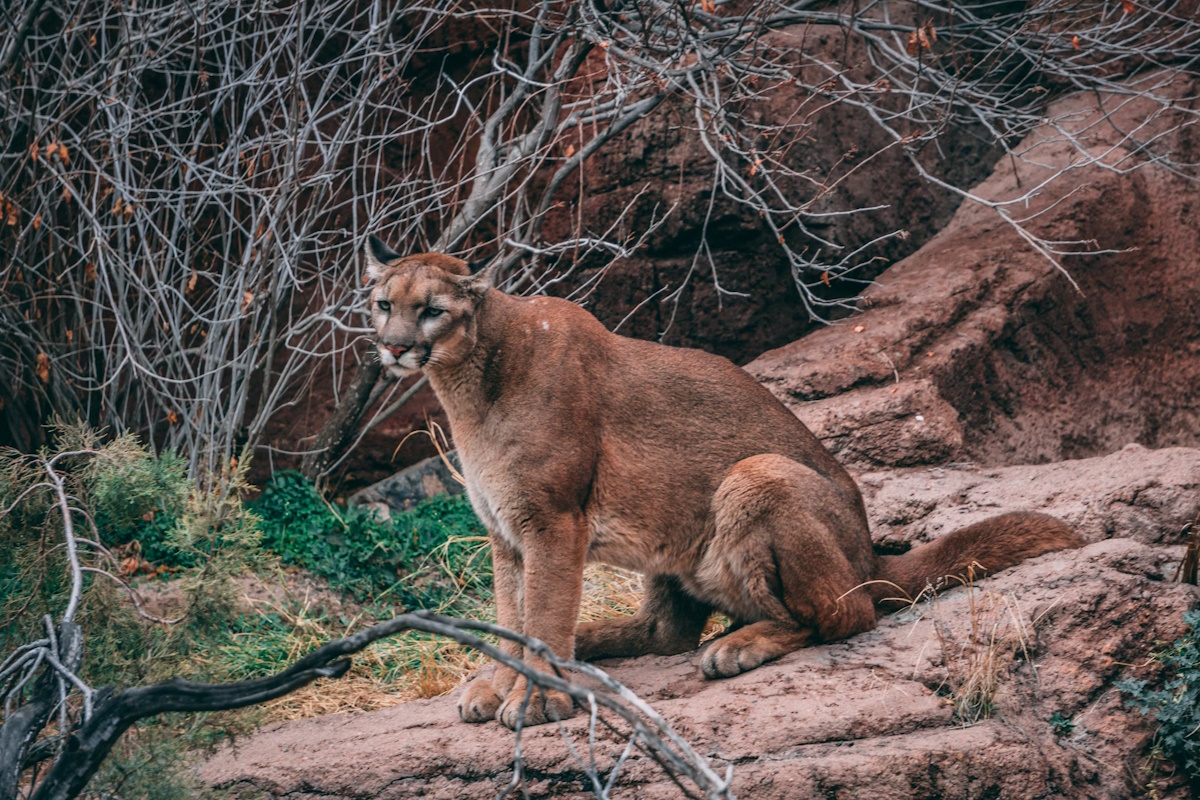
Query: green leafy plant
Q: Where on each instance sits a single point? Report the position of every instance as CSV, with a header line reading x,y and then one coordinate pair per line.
x,y
432,556
1062,725
1176,706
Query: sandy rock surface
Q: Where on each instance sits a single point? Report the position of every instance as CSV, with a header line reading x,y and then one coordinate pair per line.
x,y
869,717
1135,493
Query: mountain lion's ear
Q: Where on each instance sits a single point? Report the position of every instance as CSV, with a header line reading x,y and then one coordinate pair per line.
x,y
483,276
378,256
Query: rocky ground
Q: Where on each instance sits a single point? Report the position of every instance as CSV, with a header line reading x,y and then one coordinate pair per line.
x,y
976,380
873,716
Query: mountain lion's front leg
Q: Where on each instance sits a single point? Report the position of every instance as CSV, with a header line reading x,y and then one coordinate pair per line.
x,y
554,552
482,698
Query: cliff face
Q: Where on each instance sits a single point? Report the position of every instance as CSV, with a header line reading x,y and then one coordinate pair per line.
x,y
666,290
977,347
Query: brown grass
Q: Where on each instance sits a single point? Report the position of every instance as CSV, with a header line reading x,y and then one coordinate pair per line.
x,y
978,659
443,665
1189,568
362,690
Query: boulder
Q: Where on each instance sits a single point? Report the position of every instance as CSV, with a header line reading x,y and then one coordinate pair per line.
x,y
977,347
431,477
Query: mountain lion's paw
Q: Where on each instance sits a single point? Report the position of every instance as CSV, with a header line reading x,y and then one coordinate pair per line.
x,y
544,706
731,656
478,702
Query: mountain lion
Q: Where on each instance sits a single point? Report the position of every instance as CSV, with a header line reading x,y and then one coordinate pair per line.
x,y
580,445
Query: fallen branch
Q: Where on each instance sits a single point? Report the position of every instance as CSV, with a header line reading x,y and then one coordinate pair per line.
x,y
87,746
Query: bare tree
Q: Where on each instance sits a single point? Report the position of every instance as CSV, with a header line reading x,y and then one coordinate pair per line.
x,y
186,187
41,683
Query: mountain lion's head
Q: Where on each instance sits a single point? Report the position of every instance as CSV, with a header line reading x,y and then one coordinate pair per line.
x,y
422,307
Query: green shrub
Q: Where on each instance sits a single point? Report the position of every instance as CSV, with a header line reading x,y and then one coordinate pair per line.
x,y
141,499
1061,724
129,495
1176,706
432,556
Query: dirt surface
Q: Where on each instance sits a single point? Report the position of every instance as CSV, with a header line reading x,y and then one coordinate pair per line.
x,y
869,717
257,593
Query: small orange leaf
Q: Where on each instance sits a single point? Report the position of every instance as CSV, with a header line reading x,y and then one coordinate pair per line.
x,y
191,284
37,222
66,194
825,277
172,418
1127,6
70,335
247,299
859,328
570,150
914,44
34,151
43,367
51,150
64,155
89,272
1075,42
118,207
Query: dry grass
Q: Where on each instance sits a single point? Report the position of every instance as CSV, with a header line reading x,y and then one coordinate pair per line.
x,y
978,658
407,667
1189,568
443,667
609,592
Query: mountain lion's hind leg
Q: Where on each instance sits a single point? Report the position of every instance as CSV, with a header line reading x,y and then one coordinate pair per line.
x,y
778,563
669,621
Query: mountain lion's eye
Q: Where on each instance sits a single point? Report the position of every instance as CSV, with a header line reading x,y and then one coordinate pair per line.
x,y
383,305
434,312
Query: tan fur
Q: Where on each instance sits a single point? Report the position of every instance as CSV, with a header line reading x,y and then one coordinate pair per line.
x,y
580,445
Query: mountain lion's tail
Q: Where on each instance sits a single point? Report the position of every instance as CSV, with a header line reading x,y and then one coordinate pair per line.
x,y
971,552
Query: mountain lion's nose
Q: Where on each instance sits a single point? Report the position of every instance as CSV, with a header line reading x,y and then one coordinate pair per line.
x,y
397,349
